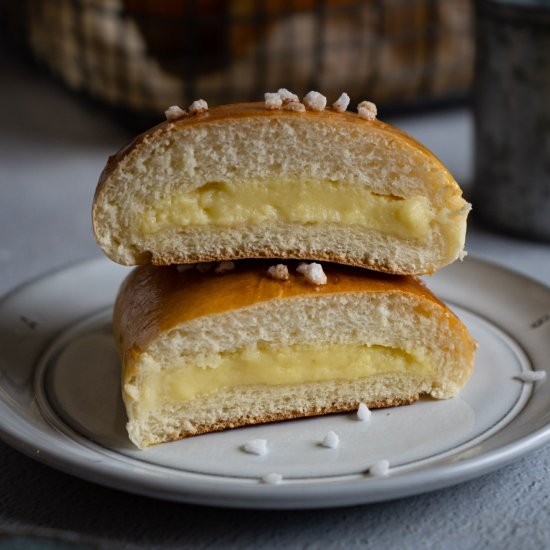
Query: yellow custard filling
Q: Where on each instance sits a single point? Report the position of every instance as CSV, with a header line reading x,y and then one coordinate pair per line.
x,y
272,366
308,202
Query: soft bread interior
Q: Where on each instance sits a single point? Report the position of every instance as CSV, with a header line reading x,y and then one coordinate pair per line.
x,y
241,182
288,357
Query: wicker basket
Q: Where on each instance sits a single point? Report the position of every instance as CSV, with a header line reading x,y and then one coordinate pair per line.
x,y
143,55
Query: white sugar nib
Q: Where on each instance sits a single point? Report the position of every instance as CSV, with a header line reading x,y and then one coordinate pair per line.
x,y
256,447
341,104
272,479
198,106
367,110
363,412
331,440
532,376
278,272
174,113
272,101
224,267
287,95
314,101
313,273
380,468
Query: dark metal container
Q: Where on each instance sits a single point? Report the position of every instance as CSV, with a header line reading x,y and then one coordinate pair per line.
x,y
512,116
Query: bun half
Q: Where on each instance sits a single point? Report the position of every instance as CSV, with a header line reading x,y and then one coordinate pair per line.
x,y
240,181
203,352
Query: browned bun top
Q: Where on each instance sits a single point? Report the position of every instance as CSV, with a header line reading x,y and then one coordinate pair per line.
x,y
156,299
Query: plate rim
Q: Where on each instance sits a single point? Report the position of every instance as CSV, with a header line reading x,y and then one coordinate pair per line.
x,y
291,496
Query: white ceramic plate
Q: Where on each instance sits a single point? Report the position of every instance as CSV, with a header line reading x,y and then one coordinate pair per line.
x,y
59,403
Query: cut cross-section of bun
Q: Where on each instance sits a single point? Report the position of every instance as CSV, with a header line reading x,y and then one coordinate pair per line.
x,y
241,181
203,351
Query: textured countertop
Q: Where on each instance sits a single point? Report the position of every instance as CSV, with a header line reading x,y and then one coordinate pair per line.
x,y
52,149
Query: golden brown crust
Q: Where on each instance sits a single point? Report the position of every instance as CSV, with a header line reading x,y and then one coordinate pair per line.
x,y
156,299
236,111
290,415
390,268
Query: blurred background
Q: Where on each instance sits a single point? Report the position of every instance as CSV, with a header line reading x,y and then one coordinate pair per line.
x,y
139,56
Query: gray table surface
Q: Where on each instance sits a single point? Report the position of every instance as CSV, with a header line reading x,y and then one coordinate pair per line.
x,y
52,149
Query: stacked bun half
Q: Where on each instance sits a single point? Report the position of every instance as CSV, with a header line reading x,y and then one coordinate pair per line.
x,y
278,245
